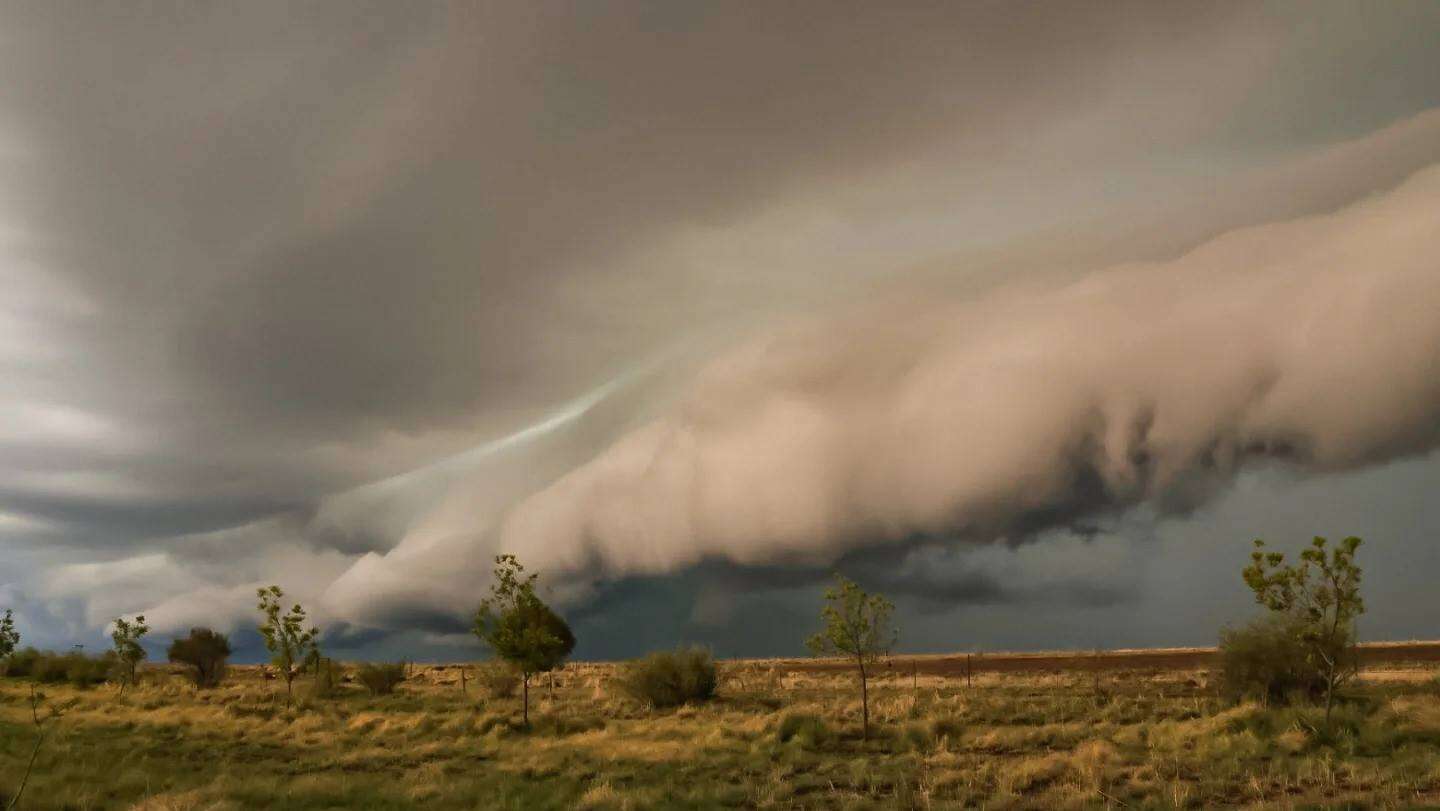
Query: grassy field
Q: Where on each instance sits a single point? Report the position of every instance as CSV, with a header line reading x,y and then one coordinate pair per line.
x,y
780,735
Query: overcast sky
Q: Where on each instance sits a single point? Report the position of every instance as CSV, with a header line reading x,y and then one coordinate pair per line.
x,y
1032,315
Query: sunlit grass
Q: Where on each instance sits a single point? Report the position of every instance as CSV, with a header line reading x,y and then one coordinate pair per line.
x,y
770,740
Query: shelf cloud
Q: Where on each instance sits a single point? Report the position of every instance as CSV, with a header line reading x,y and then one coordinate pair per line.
x,y
677,300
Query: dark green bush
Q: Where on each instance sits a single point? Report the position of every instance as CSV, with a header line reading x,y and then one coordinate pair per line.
x,y
59,668
381,679
22,663
1270,661
670,678
206,652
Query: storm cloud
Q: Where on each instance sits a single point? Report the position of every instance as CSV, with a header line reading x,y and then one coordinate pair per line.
x,y
1313,342
354,295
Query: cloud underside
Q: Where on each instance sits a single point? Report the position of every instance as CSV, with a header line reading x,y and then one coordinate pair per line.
x,y
877,439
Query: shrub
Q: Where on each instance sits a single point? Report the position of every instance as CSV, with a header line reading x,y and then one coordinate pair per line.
x,y
497,679
670,678
807,730
950,728
917,736
22,663
568,725
206,652
56,668
50,668
1268,660
381,679
1321,596
327,678
493,722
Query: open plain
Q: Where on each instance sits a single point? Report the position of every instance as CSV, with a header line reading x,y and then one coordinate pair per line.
x,y
1120,729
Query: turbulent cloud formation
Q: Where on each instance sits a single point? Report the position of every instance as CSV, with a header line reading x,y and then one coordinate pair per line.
x,y
353,295
1313,342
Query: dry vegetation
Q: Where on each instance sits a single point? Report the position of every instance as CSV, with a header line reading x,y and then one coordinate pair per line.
x,y
774,737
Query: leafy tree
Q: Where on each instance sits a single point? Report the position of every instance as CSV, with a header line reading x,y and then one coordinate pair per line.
x,y
519,627
285,636
858,627
9,637
204,650
1322,593
126,636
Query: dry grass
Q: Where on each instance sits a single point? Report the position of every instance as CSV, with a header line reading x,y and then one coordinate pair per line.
x,y
1135,739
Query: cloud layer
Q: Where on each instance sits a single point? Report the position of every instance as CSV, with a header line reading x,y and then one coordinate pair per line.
x,y
1311,342
321,294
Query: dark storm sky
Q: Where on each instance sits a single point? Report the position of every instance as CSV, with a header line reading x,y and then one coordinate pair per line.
x,y
1031,314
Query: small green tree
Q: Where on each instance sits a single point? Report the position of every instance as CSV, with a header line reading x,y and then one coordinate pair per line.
x,y
9,637
128,651
285,636
858,627
1322,593
520,628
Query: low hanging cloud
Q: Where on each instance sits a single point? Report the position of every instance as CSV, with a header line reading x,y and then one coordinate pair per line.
x,y
904,431
1312,343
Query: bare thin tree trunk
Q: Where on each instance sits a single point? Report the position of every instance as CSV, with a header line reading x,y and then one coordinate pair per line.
x,y
864,704
1329,694
34,753
525,711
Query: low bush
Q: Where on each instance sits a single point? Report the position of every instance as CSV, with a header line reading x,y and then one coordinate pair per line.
x,y
205,652
1268,660
497,679
670,678
22,663
560,725
76,669
946,728
916,736
328,676
807,730
381,679
491,723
